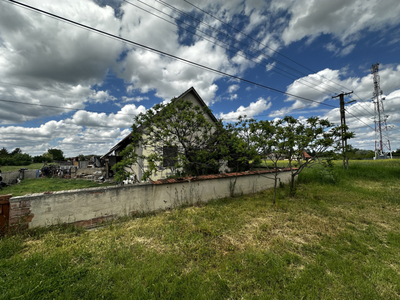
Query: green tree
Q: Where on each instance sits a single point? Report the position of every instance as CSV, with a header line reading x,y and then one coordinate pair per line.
x,y
395,153
42,158
18,159
294,136
266,145
237,145
16,151
21,159
56,154
181,138
4,152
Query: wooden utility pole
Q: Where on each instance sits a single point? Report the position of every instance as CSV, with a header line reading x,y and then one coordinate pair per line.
x,y
343,123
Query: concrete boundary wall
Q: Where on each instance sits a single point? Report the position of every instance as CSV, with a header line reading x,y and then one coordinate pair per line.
x,y
92,206
11,177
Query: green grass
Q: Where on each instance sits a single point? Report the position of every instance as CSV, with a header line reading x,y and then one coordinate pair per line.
x,y
338,238
34,166
40,185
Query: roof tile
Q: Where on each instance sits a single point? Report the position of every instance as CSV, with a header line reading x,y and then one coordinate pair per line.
x,y
213,176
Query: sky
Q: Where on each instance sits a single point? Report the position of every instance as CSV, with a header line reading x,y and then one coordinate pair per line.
x,y
65,87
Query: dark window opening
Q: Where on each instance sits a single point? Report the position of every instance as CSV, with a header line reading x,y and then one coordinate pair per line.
x,y
170,154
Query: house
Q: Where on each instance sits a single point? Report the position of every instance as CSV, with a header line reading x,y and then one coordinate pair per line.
x,y
304,155
113,155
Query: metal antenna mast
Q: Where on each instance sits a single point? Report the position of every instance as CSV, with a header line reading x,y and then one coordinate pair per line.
x,y
380,117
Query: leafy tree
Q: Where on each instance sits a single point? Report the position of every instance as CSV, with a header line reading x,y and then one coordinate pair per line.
x,y
293,136
177,136
22,159
395,153
3,152
266,145
48,157
237,145
42,158
56,154
16,151
355,153
19,159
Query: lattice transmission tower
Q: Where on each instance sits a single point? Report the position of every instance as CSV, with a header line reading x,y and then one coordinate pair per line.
x,y
382,144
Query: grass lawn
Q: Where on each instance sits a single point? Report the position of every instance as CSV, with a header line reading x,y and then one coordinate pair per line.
x,y
338,238
34,166
44,184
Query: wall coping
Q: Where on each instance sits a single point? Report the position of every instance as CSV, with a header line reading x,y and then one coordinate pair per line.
x,y
95,190
218,176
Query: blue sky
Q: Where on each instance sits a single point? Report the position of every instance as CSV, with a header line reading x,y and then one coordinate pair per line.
x,y
309,48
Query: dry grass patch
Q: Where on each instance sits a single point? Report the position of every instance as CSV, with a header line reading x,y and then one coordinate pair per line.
x,y
332,241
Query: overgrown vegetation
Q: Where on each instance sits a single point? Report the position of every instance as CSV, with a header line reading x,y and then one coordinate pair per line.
x,y
45,184
186,139
338,238
17,158
14,158
178,136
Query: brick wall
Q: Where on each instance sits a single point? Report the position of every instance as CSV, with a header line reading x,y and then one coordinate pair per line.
x,y
20,214
4,213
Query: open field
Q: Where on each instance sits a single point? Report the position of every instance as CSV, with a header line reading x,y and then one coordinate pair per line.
x,y
44,184
16,168
338,238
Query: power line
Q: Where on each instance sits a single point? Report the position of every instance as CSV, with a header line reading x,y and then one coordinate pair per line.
x,y
65,108
275,51
358,119
158,52
260,43
257,61
162,52
363,107
240,42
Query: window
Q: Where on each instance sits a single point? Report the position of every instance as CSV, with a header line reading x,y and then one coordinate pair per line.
x,y
170,154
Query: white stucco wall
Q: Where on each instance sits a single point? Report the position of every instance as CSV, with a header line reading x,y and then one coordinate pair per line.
x,y
161,173
87,204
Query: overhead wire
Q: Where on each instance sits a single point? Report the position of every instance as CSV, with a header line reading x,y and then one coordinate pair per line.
x,y
371,112
265,45
158,52
258,42
30,87
241,42
163,53
65,108
257,60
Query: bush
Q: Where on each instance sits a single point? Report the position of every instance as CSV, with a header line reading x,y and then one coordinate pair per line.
x,y
19,159
41,159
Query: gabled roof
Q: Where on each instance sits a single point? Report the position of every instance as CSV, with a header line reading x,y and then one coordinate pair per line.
x,y
126,140
203,104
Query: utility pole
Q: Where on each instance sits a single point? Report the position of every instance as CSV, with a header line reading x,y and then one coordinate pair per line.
x,y
343,123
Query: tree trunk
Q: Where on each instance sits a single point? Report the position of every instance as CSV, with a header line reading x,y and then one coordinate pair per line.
x,y
275,186
292,186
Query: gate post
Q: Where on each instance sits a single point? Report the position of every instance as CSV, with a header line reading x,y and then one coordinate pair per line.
x,y
4,213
